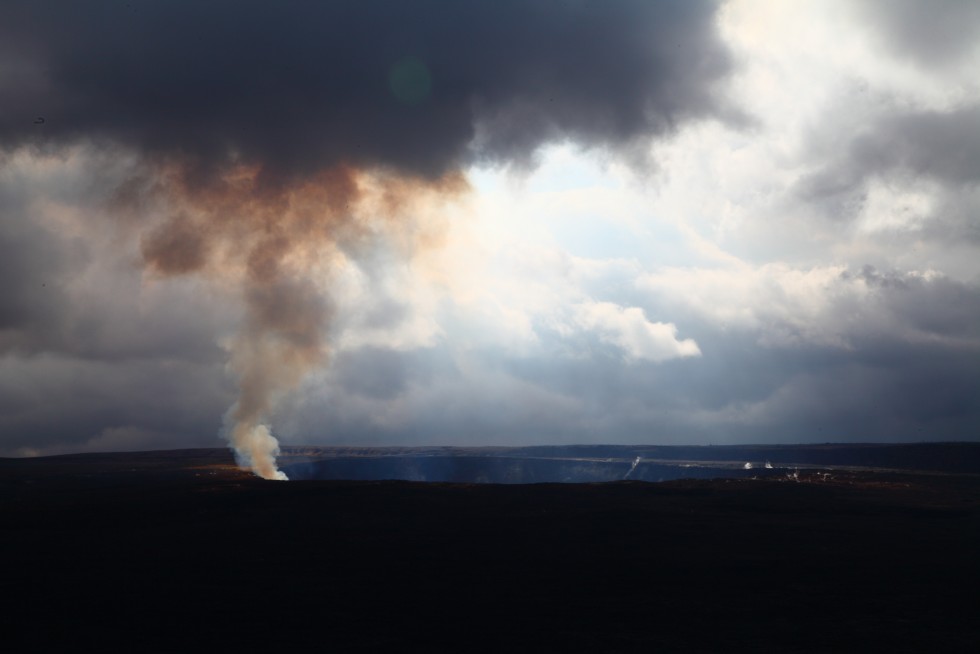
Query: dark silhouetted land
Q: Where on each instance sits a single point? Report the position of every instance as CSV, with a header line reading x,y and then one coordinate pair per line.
x,y
180,551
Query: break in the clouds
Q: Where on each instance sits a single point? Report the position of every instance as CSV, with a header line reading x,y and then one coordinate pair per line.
x,y
487,223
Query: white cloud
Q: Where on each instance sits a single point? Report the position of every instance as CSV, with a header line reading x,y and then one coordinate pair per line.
x,y
827,306
629,329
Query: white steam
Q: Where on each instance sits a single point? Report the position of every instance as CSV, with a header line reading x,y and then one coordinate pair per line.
x,y
636,462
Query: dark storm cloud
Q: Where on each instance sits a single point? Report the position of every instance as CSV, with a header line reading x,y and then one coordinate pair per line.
x,y
939,309
940,145
300,86
944,146
736,394
385,374
69,284
54,404
890,357
32,268
903,148
91,355
896,361
931,33
251,130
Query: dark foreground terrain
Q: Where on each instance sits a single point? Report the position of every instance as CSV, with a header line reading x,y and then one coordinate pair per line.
x,y
179,551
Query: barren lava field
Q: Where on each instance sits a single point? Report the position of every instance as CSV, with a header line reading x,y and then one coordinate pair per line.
x,y
181,551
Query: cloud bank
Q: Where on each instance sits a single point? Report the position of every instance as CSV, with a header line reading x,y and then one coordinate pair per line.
x,y
497,223
269,150
420,88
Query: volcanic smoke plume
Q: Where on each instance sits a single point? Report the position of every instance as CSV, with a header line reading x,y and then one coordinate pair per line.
x,y
268,241
279,244
282,139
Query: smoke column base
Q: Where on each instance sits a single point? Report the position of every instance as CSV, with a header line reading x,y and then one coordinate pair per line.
x,y
256,449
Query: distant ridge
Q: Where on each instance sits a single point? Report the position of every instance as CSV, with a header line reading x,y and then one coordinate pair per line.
x,y
595,463
548,463
960,457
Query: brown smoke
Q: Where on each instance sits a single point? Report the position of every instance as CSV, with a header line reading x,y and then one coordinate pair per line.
x,y
279,243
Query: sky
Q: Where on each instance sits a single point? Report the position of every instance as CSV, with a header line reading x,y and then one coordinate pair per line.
x,y
507,223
